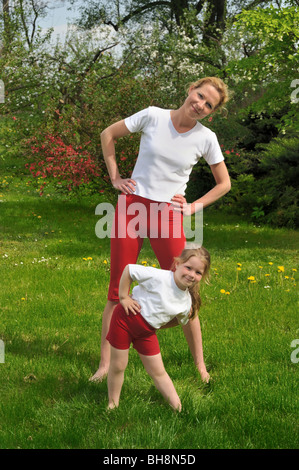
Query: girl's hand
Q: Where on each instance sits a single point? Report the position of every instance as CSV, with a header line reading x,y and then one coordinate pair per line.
x,y
130,305
125,185
179,204
205,376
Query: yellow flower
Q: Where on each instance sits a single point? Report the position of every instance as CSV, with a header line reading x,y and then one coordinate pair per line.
x,y
261,267
23,298
227,293
89,257
267,275
85,259
154,265
105,261
251,278
294,270
270,263
239,269
286,277
144,263
281,269
222,291
239,264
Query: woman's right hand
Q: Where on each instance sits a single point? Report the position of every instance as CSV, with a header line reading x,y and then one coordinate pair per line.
x,y
125,185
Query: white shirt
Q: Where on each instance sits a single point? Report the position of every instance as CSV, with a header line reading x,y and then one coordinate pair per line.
x,y
159,297
166,157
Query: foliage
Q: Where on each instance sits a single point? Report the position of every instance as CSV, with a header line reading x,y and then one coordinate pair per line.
x,y
270,39
69,166
73,91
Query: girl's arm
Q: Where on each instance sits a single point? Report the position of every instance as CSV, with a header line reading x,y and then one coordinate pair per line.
x,y
222,187
129,304
192,332
108,139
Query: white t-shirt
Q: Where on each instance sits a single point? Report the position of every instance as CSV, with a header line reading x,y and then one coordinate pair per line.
x,y
166,157
159,297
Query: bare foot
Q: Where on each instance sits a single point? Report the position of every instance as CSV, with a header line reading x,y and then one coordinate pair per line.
x,y
99,376
111,406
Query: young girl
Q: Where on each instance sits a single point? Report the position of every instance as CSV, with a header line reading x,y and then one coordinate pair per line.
x,y
161,296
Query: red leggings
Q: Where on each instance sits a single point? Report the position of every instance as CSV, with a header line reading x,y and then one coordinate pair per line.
x,y
137,218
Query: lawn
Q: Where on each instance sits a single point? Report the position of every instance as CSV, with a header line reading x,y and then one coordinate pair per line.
x,y
54,279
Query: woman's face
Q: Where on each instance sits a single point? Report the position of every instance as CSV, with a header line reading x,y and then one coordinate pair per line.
x,y
202,101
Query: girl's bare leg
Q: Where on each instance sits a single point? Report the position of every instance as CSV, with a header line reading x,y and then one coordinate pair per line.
x,y
102,371
118,364
155,368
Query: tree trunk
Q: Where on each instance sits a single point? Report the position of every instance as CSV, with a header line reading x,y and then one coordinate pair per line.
x,y
214,24
7,37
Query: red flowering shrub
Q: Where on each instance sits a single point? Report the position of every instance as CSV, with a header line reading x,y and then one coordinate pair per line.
x,y
69,167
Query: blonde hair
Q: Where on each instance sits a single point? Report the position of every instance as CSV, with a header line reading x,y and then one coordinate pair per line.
x,y
204,256
218,84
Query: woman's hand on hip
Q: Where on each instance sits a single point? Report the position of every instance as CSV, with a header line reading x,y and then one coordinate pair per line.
x,y
179,204
125,185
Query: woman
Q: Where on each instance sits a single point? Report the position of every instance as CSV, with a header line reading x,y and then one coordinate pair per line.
x,y
172,142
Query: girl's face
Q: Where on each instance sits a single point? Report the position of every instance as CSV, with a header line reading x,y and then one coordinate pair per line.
x,y
189,272
202,101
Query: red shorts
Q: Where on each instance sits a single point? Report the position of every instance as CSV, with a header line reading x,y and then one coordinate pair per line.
x,y
162,226
126,329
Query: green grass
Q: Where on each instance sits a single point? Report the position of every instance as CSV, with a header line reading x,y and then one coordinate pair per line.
x,y
51,301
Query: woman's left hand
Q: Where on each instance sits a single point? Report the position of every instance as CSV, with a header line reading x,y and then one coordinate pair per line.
x,y
179,204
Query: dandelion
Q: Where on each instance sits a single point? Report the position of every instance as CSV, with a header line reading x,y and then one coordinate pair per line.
x,y
105,261
286,277
294,270
222,291
271,263
251,278
239,269
281,269
267,275
239,264
144,263
227,293
261,267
